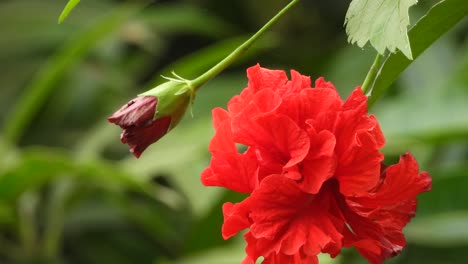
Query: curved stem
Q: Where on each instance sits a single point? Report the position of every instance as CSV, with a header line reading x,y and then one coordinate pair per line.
x,y
239,51
370,78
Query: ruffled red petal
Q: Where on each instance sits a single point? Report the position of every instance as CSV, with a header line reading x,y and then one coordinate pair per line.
x,y
320,164
235,171
378,217
277,138
299,258
310,103
358,168
262,78
314,170
284,219
229,168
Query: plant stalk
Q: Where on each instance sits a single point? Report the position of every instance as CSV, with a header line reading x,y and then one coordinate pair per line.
x,y
239,51
372,74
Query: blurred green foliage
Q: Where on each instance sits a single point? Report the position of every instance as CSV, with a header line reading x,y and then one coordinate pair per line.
x,y
71,193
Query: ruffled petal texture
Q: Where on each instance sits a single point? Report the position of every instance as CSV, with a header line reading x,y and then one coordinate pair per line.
x,y
378,217
312,166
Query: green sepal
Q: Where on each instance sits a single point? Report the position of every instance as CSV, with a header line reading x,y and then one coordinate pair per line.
x,y
173,99
182,91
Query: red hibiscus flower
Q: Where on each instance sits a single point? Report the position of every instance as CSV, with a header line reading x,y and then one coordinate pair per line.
x,y
313,168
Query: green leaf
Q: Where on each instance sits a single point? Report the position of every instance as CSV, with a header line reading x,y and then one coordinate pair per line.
x,y
382,22
442,17
38,166
232,253
166,19
420,254
68,8
206,232
43,84
432,123
448,193
443,229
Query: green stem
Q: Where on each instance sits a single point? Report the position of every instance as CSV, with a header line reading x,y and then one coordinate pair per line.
x,y
372,74
239,51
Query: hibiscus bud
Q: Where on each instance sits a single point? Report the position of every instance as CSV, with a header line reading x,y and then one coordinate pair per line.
x,y
145,120
148,117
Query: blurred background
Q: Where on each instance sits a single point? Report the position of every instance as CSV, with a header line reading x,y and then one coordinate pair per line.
x,y
70,192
